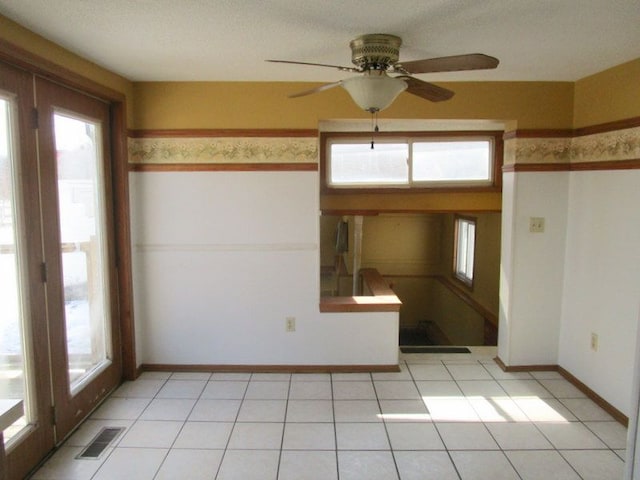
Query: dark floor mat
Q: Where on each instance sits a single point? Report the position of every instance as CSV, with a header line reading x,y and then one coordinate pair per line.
x,y
410,349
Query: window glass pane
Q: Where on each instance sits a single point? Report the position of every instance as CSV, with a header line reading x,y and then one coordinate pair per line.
x,y
461,259
451,161
465,249
359,164
83,244
471,234
14,365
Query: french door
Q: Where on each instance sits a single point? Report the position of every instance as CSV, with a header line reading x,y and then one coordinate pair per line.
x,y
77,217
62,353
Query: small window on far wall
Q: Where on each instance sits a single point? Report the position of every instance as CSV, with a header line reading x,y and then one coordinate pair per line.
x,y
464,253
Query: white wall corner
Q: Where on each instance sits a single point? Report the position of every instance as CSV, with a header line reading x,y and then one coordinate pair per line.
x,y
506,265
533,267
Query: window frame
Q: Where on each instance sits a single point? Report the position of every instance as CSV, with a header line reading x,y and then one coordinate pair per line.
x,y
456,273
494,184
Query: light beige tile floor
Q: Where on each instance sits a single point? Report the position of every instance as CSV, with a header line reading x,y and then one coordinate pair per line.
x,y
442,417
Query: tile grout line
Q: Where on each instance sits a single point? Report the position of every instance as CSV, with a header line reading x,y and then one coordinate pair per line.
x,y
484,423
504,453
608,446
555,449
335,429
135,420
384,424
284,425
578,420
435,424
184,422
415,384
532,422
224,452
583,422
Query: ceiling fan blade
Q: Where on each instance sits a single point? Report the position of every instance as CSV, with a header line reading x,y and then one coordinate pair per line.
x,y
321,88
343,69
426,90
473,61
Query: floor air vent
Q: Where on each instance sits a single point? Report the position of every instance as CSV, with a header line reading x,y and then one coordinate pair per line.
x,y
100,442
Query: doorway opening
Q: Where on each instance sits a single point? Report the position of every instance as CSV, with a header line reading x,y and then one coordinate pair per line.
x,y
415,253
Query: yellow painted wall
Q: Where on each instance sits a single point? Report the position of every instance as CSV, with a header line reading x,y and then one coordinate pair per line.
x,y
611,95
264,105
606,96
29,41
414,202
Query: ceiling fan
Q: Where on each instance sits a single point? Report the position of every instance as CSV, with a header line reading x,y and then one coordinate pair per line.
x,y
375,56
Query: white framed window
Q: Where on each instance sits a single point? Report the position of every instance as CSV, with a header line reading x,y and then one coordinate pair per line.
x,y
464,249
453,161
355,163
410,161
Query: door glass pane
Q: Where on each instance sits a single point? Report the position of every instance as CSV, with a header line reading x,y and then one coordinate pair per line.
x,y
14,367
83,245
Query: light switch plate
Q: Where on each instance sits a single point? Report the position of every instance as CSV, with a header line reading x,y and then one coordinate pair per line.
x,y
536,224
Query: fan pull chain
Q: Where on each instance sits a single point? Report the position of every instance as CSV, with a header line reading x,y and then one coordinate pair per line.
x,y
374,127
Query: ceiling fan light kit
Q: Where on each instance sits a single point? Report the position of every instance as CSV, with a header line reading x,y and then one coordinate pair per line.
x,y
376,55
374,91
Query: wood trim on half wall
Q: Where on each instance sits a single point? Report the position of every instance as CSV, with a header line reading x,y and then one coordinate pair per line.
x,y
623,124
633,164
539,133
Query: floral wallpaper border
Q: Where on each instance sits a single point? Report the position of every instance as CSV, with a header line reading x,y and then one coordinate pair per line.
x,y
617,145
599,147
223,150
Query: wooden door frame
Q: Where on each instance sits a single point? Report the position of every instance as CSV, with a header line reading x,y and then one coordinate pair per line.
x,y
40,438
70,408
39,66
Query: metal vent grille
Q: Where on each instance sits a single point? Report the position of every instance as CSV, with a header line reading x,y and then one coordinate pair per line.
x,y
100,442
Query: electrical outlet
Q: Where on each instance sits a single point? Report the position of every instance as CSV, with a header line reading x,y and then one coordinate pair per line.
x,y
290,324
594,342
536,224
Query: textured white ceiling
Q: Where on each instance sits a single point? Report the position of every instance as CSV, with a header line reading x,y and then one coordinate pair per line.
x,y
228,40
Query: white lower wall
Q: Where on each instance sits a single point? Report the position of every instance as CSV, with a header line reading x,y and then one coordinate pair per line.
x,y
222,258
581,276
531,276
602,282
506,266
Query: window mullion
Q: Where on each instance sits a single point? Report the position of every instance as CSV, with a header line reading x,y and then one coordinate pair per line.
x,y
410,163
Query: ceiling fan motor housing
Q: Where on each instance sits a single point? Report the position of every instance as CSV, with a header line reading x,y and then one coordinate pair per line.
x,y
376,51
